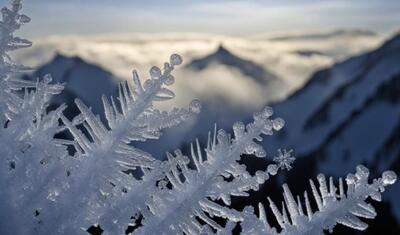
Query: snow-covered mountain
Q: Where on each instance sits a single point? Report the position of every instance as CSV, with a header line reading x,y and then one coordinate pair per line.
x,y
225,57
332,94
347,115
82,80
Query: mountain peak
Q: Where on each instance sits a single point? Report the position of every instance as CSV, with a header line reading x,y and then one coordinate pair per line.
x,y
223,51
61,58
224,57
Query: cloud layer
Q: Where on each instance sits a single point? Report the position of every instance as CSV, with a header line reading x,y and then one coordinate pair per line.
x,y
293,60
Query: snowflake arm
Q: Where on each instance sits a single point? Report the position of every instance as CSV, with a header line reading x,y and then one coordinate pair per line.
x,y
194,191
343,208
106,151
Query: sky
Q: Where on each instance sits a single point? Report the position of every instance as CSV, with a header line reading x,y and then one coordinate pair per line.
x,y
234,17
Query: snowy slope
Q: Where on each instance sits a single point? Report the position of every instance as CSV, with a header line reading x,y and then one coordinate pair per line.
x,y
332,95
347,115
370,137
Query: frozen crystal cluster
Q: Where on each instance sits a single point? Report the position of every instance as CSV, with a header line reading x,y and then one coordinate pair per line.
x,y
52,185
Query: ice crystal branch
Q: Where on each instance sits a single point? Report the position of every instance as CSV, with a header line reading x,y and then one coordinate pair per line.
x,y
31,168
106,152
343,207
194,191
12,20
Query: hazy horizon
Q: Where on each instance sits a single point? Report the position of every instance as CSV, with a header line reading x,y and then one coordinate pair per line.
x,y
235,18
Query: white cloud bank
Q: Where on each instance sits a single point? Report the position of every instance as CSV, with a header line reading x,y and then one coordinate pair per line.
x,y
121,53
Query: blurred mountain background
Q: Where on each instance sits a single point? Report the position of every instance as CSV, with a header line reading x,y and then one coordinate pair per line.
x,y
337,89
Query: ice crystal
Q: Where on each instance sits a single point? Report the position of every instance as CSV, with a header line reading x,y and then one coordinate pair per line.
x,y
284,159
99,177
343,207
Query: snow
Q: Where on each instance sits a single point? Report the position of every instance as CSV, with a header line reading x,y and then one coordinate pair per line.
x,y
358,144
341,90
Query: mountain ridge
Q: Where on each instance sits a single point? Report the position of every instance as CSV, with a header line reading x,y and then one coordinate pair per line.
x,y
347,115
223,56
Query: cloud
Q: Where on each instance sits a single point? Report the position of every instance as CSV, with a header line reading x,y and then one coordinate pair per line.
x,y
121,53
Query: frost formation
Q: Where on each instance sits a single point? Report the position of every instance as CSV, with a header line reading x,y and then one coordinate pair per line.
x,y
55,185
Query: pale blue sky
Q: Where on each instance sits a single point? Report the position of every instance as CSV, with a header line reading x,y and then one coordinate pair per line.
x,y
215,16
